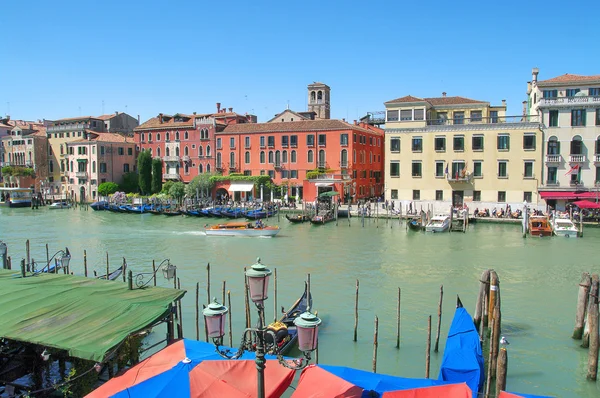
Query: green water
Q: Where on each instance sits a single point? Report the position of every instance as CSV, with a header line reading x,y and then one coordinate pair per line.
x,y
539,279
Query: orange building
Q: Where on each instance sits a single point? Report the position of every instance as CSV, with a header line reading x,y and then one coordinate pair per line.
x,y
347,158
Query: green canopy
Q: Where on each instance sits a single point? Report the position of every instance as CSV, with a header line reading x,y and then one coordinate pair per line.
x,y
329,194
86,317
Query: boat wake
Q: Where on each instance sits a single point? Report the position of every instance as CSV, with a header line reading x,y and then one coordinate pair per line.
x,y
195,233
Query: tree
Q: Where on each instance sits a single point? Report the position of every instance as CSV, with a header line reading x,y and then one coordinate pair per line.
x,y
202,183
130,182
107,188
167,187
177,190
145,172
156,175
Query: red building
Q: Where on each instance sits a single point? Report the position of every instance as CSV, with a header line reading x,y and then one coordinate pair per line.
x,y
186,143
344,157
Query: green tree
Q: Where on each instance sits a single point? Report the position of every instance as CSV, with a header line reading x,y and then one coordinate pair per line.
x,y
145,172
130,183
202,182
107,188
177,190
167,187
156,175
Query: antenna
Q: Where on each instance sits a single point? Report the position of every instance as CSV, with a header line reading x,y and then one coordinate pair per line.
x,y
288,104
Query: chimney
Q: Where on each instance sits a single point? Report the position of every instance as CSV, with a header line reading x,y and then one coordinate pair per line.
x,y
194,113
116,113
160,118
444,94
30,126
355,123
344,120
138,120
230,110
218,107
524,108
504,103
534,75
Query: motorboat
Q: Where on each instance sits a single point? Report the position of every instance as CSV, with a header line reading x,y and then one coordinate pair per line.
x,y
439,223
59,205
241,229
539,226
564,227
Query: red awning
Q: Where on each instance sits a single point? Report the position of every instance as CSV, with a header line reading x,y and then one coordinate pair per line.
x,y
567,195
586,204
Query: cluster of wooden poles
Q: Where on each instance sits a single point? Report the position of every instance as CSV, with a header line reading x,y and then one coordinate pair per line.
x,y
586,320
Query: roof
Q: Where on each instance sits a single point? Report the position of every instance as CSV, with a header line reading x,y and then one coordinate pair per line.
x,y
299,115
85,316
569,78
407,98
168,122
436,101
68,119
300,126
104,137
106,117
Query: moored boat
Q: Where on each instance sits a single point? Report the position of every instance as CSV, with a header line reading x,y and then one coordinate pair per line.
x,y
564,227
439,223
15,197
415,224
100,205
297,218
322,219
59,205
241,229
539,226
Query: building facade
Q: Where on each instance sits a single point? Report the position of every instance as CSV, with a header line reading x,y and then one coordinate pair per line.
x,y
120,123
453,151
569,107
98,158
348,156
26,146
186,143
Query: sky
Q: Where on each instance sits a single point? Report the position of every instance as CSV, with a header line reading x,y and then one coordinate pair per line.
x,y
74,58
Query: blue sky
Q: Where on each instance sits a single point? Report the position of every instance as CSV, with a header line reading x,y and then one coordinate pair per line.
x,y
65,58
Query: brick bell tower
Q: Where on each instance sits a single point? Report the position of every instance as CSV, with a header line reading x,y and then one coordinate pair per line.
x,y
319,100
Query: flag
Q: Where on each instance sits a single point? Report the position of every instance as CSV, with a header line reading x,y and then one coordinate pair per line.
x,y
446,168
573,169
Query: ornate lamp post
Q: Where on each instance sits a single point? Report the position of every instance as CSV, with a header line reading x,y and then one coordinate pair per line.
x,y
307,326
169,272
62,256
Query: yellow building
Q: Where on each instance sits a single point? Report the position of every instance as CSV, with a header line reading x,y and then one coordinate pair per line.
x,y
455,150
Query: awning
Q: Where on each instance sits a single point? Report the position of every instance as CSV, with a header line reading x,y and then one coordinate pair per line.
x,y
567,195
324,184
241,187
82,160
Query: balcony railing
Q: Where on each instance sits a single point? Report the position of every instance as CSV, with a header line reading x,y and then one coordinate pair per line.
x,y
577,158
552,183
597,158
479,120
67,127
569,101
171,158
553,158
344,163
170,176
277,164
322,165
459,178
81,174
575,183
185,158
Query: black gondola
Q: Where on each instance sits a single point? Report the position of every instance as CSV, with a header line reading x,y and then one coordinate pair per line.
x,y
415,224
284,329
172,213
115,274
297,218
322,219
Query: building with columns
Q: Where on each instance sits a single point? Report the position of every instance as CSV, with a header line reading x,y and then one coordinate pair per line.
x,y
569,107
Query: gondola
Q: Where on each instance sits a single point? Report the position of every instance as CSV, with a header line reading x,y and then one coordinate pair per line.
x,y
115,274
415,224
284,329
298,218
100,205
172,213
323,219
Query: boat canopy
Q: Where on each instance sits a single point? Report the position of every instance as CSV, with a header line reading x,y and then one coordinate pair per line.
x,y
238,186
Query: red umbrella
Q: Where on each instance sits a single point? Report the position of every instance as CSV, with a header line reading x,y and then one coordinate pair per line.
x,y
586,204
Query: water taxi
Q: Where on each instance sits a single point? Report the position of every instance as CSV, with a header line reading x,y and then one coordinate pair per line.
x,y
439,223
564,227
241,229
539,226
15,197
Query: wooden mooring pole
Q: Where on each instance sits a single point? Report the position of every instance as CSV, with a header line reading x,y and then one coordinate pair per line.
x,y
154,271
208,283
481,299
428,350
28,253
501,370
230,327
375,336
495,338
398,320
197,311
356,313
488,382
224,292
582,304
107,266
85,270
439,324
275,295
592,373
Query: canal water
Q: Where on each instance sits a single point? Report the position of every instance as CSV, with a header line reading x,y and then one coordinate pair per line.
x,y
539,281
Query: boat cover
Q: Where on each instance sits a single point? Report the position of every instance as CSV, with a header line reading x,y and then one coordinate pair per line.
x,y
446,391
463,360
504,394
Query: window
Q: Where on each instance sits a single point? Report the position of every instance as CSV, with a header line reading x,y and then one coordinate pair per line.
x,y
476,116
344,158
553,146
285,141
247,157
419,114
529,142
553,118
322,139
294,173
232,142
476,196
207,155
395,144
157,136
232,160
186,151
392,116
477,143
597,146
527,197
262,141
503,142
284,156
459,143
293,156
102,150
416,194
168,136
439,195
310,140
219,143
501,196
459,118
200,169
218,160
440,144
294,141
271,157
417,144
310,157
158,151
102,167
394,194
493,116
477,169
395,168
271,141
594,91
578,117
550,93
177,136
570,92
406,114
502,173
597,180
417,169
439,169
344,139
458,169
126,168
576,146
247,142
597,116
528,169
272,173
186,135
262,157
129,151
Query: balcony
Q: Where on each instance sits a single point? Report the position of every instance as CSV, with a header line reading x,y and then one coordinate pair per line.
x,y
570,101
277,164
577,158
459,178
553,158
170,176
552,183
171,158
478,120
575,183
185,158
597,158
81,174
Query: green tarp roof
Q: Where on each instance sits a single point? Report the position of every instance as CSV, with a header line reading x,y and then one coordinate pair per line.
x,y
86,317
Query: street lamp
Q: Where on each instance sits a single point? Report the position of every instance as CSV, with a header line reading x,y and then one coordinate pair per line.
x,y
169,271
306,324
62,256
3,253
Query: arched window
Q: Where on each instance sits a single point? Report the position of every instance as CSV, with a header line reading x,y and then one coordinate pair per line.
x,y
321,158
157,151
277,157
312,96
186,135
149,137
344,158
553,146
176,151
577,146
293,157
186,151
319,96
157,136
93,166
218,160
262,156
168,151
200,168
208,151
142,137
354,156
177,135
232,159
597,145
186,168
62,165
200,151
208,168
310,157
247,157
168,136
270,156
284,157
61,149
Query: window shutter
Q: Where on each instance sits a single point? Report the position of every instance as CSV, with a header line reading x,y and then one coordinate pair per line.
x,y
419,114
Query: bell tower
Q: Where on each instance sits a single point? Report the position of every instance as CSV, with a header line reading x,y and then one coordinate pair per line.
x,y
318,100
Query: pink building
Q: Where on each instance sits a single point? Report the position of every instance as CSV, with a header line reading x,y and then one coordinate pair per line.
x,y
102,157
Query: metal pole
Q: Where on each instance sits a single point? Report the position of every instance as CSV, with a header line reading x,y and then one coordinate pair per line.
x,y
260,354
